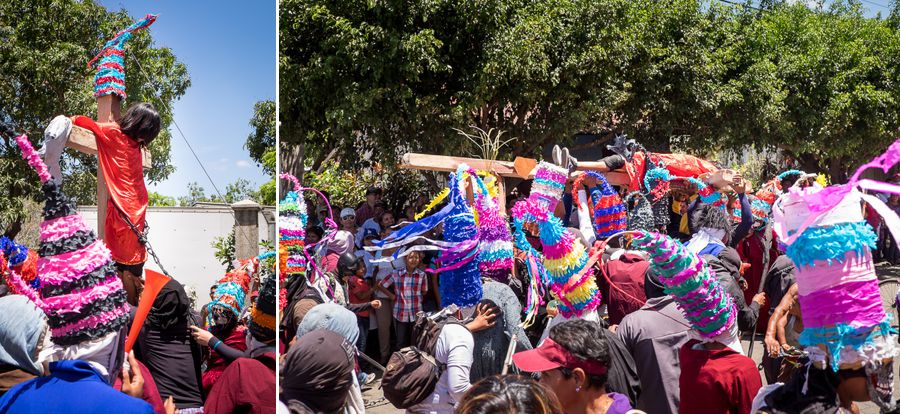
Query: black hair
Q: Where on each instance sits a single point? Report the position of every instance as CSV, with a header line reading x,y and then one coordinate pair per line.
x,y
585,340
141,123
502,394
317,230
710,216
653,288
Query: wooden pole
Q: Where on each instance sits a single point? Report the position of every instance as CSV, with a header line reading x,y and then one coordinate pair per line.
x,y
108,110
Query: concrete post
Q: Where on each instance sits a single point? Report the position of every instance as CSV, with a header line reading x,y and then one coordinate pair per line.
x,y
246,229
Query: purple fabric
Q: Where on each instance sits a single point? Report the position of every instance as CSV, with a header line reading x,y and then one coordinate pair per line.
x,y
855,303
620,404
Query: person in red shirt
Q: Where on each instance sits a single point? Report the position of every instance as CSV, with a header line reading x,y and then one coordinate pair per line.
x,y
369,208
359,289
716,379
119,153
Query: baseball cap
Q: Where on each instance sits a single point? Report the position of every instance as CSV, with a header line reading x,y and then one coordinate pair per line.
x,y
348,212
370,233
550,355
373,190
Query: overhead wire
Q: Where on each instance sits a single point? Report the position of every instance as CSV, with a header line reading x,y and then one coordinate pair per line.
x,y
165,104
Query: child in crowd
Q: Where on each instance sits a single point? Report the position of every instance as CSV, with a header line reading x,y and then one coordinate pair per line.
x,y
410,284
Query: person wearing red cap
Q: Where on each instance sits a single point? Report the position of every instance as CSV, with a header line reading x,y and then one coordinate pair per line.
x,y
574,362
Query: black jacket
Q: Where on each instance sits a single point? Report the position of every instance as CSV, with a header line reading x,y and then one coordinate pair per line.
x,y
727,267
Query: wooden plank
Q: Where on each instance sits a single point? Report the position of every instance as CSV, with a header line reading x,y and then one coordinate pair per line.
x,y
429,162
107,111
82,140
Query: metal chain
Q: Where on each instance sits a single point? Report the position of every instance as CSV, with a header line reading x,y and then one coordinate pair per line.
x,y
142,238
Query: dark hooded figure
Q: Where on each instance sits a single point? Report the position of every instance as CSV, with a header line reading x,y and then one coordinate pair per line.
x,y
711,240
492,344
166,348
315,373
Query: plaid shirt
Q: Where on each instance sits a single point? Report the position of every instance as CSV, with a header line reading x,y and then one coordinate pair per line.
x,y
410,288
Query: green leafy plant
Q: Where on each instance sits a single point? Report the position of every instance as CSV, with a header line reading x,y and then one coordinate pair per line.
x,y
224,250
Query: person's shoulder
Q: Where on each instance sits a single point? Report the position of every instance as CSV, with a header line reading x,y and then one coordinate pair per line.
x,y
110,127
456,330
121,402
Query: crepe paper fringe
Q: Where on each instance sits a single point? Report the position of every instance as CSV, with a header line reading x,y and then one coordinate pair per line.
x,y
495,241
549,184
110,76
461,285
832,243
780,178
78,289
15,253
686,277
840,336
34,160
639,214
609,212
760,210
293,218
431,204
26,270
562,258
228,295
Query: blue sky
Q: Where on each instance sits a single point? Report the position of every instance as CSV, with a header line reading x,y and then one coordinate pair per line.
x,y
229,50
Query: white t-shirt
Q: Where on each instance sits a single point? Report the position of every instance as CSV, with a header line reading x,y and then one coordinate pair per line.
x,y
455,347
385,270
367,257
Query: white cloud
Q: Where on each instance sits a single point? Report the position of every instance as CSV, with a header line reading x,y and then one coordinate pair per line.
x,y
242,163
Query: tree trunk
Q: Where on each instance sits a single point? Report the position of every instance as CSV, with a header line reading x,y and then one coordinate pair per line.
x,y
837,171
292,163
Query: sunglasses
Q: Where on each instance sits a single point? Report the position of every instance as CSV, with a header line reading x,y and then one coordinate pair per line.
x,y
347,217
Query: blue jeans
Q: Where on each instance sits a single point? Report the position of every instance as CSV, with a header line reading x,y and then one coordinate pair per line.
x,y
363,323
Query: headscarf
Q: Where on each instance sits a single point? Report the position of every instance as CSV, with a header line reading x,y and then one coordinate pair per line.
x,y
105,354
332,317
170,308
315,376
22,335
338,319
491,344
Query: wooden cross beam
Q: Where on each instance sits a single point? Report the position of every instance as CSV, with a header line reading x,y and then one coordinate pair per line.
x,y
523,168
108,110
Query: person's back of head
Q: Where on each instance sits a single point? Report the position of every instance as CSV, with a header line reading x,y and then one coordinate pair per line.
x,y
141,123
347,264
316,373
501,394
653,288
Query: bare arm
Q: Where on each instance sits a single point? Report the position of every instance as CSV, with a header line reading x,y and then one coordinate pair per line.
x,y
781,311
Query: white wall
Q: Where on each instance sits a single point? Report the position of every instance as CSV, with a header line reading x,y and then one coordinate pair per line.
x,y
182,238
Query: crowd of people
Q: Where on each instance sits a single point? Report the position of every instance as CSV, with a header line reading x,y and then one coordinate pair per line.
x,y
600,299
73,337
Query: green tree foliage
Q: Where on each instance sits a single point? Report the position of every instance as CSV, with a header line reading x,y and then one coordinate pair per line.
x,y
224,250
159,200
362,82
234,192
44,50
261,146
347,188
262,138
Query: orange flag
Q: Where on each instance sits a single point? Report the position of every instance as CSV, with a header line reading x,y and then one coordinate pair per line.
x,y
155,282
